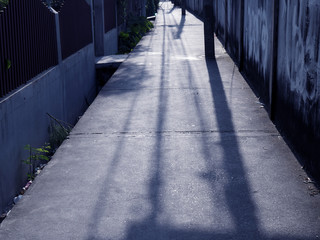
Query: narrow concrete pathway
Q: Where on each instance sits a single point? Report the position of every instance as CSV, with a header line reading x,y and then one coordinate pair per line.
x,y
174,147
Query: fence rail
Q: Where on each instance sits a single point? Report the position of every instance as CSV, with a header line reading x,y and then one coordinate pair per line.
x,y
27,43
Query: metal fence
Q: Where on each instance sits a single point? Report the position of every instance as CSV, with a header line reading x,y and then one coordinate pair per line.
x,y
125,9
75,26
27,43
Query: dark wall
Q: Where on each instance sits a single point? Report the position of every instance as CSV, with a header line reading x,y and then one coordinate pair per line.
x,y
276,45
220,14
233,26
256,37
257,44
195,5
297,108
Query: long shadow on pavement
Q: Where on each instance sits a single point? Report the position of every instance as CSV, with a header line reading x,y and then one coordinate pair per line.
x,y
238,197
237,192
239,202
118,87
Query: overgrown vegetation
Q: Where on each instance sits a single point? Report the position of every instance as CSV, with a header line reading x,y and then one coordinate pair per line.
x,y
137,28
3,5
35,158
39,156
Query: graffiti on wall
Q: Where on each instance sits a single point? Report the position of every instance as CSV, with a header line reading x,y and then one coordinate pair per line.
x,y
257,44
299,54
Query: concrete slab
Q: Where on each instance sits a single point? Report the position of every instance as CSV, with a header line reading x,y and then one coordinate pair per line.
x,y
151,18
110,61
181,110
174,147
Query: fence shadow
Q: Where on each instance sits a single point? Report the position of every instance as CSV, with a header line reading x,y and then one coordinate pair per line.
x,y
239,201
237,192
180,27
117,86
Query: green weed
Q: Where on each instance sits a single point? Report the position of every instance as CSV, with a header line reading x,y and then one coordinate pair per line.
x,y
36,156
137,28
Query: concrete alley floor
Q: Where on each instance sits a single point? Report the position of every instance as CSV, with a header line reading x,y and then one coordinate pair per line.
x,y
174,147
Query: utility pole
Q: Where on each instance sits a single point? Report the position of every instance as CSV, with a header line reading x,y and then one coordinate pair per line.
x,y
208,29
183,7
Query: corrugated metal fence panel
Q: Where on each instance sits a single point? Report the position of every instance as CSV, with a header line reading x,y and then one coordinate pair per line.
x,y
75,26
109,14
233,27
257,44
27,43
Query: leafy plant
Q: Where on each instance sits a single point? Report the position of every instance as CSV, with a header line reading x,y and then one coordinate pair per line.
x,y
137,28
58,132
3,5
8,64
36,156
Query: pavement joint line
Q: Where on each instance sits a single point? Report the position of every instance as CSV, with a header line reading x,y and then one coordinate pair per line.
x,y
180,132
149,88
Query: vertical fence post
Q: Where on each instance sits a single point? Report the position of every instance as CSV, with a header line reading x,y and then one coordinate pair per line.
x,y
183,7
2,63
216,16
226,24
144,13
274,59
56,15
92,20
241,53
99,27
208,29
116,12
